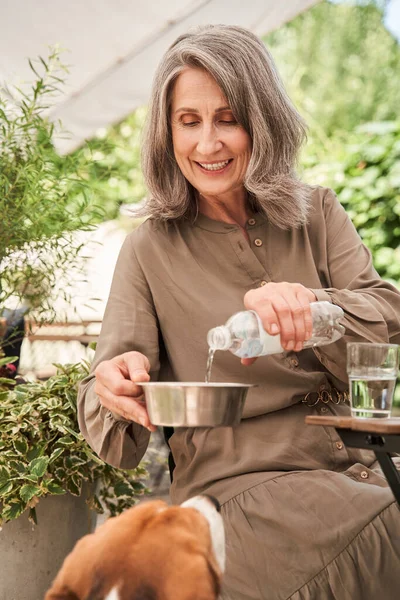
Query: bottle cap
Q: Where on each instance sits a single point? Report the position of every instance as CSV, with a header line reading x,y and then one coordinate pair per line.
x,y
219,338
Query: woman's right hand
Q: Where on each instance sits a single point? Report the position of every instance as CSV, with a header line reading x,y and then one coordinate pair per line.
x,y
117,386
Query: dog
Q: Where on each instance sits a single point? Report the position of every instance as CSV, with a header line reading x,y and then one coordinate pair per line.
x,y
150,552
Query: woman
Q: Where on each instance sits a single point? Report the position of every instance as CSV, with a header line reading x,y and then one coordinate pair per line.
x,y
230,224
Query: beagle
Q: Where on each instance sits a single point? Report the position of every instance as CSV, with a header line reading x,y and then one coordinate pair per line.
x,y
150,552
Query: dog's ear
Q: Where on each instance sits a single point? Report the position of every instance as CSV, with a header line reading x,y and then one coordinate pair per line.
x,y
215,575
97,589
216,580
61,594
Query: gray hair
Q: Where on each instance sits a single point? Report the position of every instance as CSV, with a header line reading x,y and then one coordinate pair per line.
x,y
245,71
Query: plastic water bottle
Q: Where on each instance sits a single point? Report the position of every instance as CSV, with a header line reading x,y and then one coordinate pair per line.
x,y
244,335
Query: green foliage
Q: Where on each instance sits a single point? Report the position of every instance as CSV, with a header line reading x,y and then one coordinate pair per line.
x,y
112,165
43,197
42,452
341,66
363,168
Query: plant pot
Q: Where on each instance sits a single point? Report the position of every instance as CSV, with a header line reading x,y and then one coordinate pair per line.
x,y
30,556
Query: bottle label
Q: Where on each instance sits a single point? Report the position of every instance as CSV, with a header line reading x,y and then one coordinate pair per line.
x,y
251,339
254,340
270,344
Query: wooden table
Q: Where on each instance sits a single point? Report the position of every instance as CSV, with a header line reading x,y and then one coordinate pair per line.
x,y
380,435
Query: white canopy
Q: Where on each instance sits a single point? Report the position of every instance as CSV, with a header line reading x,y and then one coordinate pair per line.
x,y
113,46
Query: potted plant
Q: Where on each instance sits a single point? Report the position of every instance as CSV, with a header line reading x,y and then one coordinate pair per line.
x,y
49,476
48,473
44,198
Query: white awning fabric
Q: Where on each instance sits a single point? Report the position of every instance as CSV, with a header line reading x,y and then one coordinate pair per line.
x,y
112,47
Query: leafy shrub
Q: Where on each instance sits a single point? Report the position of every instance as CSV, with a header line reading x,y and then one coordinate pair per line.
x,y
112,164
363,167
340,64
43,196
42,452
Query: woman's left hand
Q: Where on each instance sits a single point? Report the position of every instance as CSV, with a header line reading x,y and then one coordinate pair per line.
x,y
284,308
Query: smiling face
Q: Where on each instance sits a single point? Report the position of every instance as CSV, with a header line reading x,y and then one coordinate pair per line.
x,y
210,147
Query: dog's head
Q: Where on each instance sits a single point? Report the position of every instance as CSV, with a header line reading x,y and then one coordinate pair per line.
x,y
151,552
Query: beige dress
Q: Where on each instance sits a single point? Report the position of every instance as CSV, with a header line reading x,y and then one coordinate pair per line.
x,y
306,518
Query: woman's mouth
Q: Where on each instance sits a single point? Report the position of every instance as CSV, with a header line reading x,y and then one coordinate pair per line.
x,y
215,167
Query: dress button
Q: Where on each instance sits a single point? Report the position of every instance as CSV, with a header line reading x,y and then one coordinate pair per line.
x,y
294,362
324,409
339,445
258,242
263,283
251,222
364,475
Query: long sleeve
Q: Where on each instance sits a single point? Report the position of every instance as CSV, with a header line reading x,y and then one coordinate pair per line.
x,y
371,305
129,323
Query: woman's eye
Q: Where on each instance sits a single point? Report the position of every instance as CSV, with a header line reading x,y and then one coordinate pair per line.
x,y
226,122
190,123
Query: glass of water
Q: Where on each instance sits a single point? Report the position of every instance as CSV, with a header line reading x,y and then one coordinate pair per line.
x,y
372,371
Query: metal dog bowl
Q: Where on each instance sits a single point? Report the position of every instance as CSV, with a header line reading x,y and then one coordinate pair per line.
x,y
189,404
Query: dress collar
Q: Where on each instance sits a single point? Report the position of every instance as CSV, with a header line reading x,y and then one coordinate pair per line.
x,y
255,219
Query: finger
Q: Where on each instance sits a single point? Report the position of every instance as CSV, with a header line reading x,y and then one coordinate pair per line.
x,y
129,408
138,366
285,321
304,300
297,313
268,316
109,374
138,374
248,361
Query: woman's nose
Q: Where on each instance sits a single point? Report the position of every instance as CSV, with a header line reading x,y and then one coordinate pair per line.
x,y
208,143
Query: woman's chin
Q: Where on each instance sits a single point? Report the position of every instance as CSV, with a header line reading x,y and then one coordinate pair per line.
x,y
213,190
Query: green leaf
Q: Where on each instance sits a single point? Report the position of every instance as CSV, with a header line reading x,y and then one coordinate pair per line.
x,y
13,510
60,474
123,489
28,491
76,434
4,475
26,409
54,488
6,360
66,440
73,487
21,445
56,453
6,488
18,466
31,478
6,381
34,453
94,458
38,466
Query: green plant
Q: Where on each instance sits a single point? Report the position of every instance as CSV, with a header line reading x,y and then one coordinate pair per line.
x,y
43,196
112,164
340,65
42,452
363,168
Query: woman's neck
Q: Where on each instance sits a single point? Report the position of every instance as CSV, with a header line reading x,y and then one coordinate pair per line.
x,y
234,210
